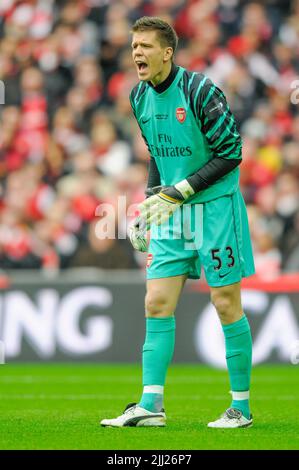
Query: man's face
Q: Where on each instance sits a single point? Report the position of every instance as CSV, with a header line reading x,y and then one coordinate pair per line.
x,y
150,57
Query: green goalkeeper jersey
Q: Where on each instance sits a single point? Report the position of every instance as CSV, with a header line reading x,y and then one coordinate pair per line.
x,y
184,127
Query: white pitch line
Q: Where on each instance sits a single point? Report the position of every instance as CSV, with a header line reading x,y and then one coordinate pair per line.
x,y
100,396
133,380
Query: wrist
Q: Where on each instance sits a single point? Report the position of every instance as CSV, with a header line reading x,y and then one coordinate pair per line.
x,y
185,189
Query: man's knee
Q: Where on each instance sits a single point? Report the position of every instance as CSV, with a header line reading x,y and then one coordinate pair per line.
x,y
227,302
158,304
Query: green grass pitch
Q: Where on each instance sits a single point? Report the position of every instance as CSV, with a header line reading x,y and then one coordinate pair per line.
x,y
59,407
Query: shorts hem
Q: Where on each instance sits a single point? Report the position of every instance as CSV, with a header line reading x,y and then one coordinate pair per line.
x,y
223,283
190,276
228,282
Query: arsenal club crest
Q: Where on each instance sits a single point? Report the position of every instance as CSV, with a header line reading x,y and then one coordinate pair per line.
x,y
180,114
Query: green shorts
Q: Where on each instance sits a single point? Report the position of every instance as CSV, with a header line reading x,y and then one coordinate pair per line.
x,y
213,235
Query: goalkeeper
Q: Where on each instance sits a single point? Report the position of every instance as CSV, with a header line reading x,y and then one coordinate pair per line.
x,y
195,153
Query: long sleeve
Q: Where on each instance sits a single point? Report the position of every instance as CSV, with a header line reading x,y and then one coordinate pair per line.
x,y
217,122
153,174
219,127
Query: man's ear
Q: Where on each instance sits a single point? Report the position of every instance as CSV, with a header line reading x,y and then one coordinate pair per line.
x,y
168,52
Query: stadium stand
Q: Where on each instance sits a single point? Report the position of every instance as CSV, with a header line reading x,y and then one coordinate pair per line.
x,y
69,141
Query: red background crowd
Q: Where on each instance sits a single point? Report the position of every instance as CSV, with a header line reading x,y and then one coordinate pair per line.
x,y
69,142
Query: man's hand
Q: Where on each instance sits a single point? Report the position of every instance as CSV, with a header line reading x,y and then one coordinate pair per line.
x,y
138,234
165,201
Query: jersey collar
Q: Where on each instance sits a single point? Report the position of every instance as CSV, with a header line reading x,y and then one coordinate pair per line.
x,y
167,82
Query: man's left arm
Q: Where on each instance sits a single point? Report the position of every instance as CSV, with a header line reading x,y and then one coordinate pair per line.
x,y
219,127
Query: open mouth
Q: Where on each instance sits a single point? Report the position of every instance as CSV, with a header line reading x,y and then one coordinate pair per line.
x,y
142,66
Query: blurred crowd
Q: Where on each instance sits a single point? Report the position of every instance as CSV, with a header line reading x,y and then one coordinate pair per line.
x,y
69,142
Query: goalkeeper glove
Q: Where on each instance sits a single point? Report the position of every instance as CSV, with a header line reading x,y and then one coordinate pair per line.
x,y
137,231
138,234
164,202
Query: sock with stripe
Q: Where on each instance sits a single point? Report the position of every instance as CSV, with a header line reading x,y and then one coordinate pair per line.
x,y
238,345
157,354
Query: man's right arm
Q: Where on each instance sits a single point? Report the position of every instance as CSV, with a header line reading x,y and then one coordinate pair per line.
x,y
154,178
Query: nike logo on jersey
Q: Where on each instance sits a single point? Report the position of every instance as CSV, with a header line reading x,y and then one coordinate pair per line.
x,y
145,120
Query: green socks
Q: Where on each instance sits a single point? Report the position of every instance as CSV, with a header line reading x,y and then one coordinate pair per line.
x,y
238,345
158,351
157,354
